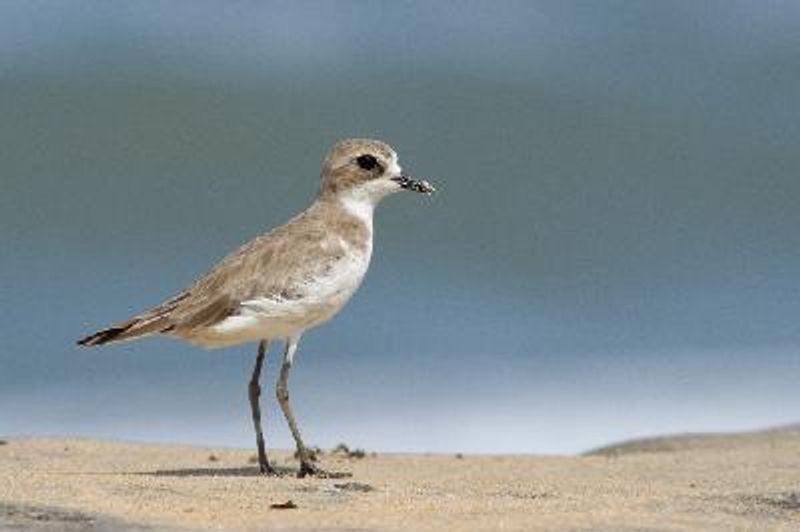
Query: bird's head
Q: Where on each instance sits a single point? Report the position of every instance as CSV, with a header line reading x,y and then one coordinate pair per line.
x,y
366,170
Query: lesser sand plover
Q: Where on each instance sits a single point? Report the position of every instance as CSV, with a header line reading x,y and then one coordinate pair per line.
x,y
286,281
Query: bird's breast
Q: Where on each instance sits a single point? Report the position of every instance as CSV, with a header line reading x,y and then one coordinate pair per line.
x,y
337,281
315,298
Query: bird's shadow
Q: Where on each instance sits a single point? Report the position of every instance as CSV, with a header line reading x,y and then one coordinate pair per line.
x,y
220,472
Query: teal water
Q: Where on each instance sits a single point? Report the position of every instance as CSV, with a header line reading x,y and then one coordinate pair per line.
x,y
614,251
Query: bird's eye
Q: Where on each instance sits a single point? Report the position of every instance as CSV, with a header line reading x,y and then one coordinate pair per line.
x,y
366,162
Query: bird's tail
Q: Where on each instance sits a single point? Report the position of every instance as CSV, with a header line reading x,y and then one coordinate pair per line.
x,y
102,337
154,321
127,330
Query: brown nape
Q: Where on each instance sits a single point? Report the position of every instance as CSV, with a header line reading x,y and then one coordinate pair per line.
x,y
339,180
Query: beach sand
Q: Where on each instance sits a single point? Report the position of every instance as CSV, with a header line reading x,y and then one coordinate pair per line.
x,y
712,482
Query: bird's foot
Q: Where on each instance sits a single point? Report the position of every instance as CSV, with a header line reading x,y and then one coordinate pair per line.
x,y
309,469
269,471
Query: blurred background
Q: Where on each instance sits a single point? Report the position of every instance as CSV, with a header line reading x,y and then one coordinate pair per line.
x,y
614,252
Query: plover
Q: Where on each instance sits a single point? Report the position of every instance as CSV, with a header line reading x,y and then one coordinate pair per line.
x,y
286,281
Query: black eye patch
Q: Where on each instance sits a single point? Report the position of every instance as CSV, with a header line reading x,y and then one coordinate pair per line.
x,y
366,162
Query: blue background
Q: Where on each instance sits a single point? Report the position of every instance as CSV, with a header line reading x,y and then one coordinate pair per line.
x,y
614,252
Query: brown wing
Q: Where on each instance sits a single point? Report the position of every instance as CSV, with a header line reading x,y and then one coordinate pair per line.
x,y
271,265
152,321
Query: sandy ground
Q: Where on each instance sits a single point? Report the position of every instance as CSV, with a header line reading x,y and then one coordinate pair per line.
x,y
726,482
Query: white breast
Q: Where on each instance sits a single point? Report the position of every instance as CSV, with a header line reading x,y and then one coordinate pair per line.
x,y
276,317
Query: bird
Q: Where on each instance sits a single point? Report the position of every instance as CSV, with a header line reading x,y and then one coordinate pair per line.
x,y
286,281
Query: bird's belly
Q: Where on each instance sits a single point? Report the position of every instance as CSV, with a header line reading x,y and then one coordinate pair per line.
x,y
279,317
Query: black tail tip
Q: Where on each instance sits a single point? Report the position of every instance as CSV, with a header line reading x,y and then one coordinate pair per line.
x,y
100,338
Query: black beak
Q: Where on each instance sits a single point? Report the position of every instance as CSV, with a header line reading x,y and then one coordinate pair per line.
x,y
421,186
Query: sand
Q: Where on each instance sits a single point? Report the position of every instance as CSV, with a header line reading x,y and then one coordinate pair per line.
x,y
722,482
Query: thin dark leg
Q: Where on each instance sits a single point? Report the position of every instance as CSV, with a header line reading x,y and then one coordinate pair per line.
x,y
282,392
254,390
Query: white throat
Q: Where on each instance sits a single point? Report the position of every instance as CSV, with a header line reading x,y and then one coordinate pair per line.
x,y
359,206
361,200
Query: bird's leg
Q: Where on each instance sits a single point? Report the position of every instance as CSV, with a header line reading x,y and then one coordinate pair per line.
x,y
282,392
254,390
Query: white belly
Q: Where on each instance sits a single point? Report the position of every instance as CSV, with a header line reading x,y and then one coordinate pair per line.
x,y
275,317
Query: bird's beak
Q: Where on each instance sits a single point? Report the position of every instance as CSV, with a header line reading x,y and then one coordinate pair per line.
x,y
421,186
